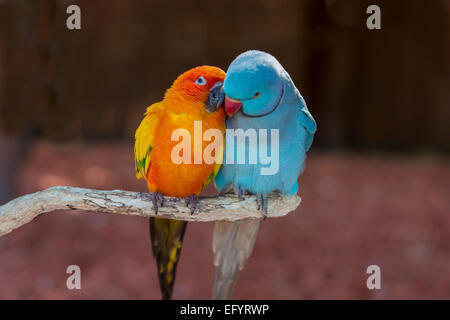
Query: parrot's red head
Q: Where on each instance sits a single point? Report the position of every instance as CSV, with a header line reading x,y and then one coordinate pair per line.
x,y
199,85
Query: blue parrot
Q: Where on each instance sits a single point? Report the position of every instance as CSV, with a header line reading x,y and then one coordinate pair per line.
x,y
259,94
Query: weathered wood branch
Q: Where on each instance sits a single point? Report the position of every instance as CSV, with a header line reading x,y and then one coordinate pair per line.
x,y
218,208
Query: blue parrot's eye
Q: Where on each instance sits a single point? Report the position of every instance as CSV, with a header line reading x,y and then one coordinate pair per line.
x,y
257,95
200,81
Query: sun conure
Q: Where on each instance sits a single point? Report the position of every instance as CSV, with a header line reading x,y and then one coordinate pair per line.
x,y
196,95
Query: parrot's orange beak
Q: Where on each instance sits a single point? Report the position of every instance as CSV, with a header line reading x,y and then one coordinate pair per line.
x,y
232,106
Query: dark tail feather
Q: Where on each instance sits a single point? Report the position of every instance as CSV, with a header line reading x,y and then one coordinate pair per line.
x,y
233,244
167,239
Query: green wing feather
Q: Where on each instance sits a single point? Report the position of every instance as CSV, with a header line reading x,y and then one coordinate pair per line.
x,y
219,159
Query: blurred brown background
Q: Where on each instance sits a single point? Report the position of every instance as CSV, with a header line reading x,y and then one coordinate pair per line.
x,y
376,189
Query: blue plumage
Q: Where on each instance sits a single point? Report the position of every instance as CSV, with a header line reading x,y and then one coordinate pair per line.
x,y
269,100
259,95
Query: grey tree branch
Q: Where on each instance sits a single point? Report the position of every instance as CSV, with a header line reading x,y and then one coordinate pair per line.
x,y
219,208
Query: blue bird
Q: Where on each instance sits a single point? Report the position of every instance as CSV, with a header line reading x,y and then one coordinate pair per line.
x,y
263,105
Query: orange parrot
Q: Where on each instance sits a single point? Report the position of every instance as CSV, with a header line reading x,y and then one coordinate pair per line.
x,y
196,95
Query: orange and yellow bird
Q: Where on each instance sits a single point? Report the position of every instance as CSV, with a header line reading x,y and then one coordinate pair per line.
x,y
196,95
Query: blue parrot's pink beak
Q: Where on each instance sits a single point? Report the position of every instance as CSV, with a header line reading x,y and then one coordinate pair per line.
x,y
232,105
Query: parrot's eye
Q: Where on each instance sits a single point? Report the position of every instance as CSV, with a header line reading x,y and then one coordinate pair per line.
x,y
257,95
200,81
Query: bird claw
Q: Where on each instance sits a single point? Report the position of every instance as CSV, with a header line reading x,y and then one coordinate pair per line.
x,y
156,196
193,200
262,202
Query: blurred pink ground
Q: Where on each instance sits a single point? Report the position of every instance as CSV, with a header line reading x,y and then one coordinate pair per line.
x,y
356,211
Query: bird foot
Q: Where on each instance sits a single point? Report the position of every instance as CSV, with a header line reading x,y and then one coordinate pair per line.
x,y
239,192
262,202
192,200
156,196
